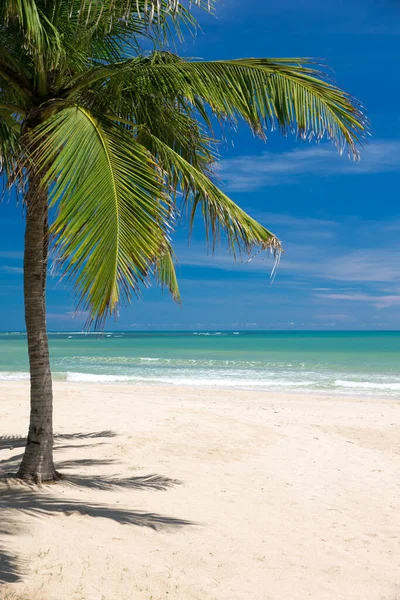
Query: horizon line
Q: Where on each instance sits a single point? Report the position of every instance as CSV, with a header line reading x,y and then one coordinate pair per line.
x,y
81,331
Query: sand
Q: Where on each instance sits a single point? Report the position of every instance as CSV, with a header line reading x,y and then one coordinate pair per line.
x,y
190,494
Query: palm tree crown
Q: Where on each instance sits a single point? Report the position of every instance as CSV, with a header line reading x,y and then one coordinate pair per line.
x,y
118,136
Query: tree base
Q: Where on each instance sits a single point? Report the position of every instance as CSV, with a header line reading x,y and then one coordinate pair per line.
x,y
39,478
37,464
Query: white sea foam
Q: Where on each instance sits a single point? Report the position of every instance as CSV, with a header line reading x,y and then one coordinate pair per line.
x,y
74,333
367,385
210,333
11,376
95,378
180,380
221,378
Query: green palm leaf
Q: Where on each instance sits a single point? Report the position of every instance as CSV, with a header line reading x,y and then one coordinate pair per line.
x,y
165,271
9,145
111,212
39,34
284,93
219,212
289,94
149,10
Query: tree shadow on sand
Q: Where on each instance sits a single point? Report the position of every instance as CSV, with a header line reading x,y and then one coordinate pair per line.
x,y
11,442
10,465
11,566
145,482
32,501
19,498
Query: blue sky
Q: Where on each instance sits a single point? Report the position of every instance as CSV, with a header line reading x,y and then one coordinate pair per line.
x,y
339,220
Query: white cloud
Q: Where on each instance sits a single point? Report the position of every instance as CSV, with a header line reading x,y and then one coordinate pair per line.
x,y
308,261
379,301
300,255
254,172
366,265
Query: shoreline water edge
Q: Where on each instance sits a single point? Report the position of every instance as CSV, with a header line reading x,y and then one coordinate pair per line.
x,y
338,363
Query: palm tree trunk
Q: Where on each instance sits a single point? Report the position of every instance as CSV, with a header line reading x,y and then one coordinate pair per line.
x,y
37,464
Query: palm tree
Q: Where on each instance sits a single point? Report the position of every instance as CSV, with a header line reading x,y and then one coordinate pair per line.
x,y
101,139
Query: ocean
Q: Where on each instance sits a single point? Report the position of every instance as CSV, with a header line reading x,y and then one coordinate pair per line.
x,y
365,363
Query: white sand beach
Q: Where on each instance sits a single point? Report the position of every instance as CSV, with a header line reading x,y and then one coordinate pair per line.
x,y
194,494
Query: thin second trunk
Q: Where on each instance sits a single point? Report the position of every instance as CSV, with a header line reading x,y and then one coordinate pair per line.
x,y
37,464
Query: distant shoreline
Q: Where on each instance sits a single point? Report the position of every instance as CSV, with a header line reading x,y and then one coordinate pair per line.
x,y
314,362
205,330
191,388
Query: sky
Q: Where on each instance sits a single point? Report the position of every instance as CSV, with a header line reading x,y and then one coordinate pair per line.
x,y
339,221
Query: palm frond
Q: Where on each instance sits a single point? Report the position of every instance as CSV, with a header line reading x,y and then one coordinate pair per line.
x,y
13,83
165,271
149,10
244,233
289,94
108,20
111,212
38,33
9,144
26,14
179,128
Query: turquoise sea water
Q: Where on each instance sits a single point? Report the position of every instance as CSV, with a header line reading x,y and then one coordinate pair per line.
x,y
343,362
